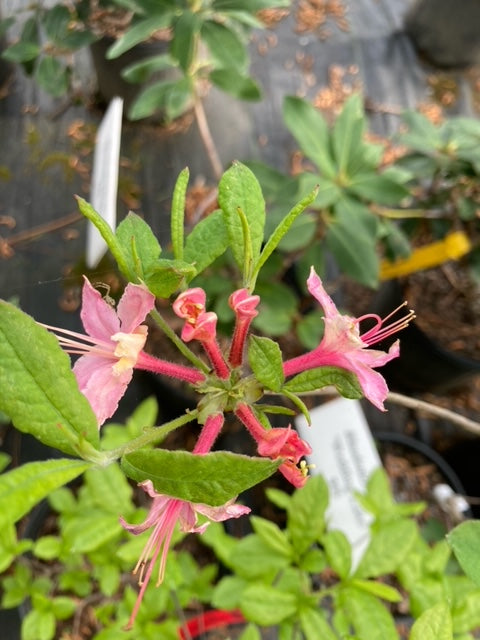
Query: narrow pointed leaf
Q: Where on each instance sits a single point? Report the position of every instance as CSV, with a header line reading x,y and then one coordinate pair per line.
x,y
178,213
274,240
211,479
37,387
23,487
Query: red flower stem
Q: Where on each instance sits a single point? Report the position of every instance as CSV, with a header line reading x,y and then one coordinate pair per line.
x,y
209,433
216,358
180,372
250,420
242,325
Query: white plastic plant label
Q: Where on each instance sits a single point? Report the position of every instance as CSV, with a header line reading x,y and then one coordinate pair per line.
x,y
344,453
104,187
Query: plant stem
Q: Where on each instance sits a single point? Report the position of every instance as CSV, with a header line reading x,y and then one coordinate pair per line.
x,y
151,435
181,346
206,137
411,403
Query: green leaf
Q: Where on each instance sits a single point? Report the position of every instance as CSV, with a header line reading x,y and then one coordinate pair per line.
x,y
86,533
236,84
314,625
351,237
389,544
167,276
140,32
37,387
47,547
311,132
56,23
239,189
338,551
379,189
138,244
108,235
52,76
464,540
22,487
226,48
272,535
63,607
282,228
185,31
347,137
38,625
265,359
200,249
140,72
169,97
22,52
228,592
344,381
306,513
212,479
177,219
434,624
378,589
369,617
266,605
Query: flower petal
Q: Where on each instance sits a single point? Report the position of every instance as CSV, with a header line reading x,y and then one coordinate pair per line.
x,y
98,317
315,287
102,388
134,306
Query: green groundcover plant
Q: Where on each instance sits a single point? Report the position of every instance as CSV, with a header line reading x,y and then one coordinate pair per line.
x,y
66,408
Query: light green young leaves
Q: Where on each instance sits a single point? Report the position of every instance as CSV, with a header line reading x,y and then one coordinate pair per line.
x,y
23,487
465,542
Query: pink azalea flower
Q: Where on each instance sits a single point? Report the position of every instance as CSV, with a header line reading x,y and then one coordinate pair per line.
x,y
201,325
277,443
344,346
164,514
287,444
114,347
244,305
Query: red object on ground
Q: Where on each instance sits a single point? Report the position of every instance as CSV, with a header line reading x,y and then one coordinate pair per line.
x,y
207,621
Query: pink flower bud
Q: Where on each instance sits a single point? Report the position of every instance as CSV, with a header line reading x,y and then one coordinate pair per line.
x,y
244,304
190,304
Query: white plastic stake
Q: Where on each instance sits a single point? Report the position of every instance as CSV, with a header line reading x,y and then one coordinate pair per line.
x,y
104,188
344,453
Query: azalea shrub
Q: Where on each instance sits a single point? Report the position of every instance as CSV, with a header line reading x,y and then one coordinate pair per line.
x,y
66,408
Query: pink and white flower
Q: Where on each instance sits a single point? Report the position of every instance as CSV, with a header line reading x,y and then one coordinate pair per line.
x,y
113,347
162,518
344,346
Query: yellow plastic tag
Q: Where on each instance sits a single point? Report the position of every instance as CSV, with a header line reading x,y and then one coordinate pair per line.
x,y
452,247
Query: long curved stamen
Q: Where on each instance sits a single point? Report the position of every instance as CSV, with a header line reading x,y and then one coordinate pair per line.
x,y
379,331
81,340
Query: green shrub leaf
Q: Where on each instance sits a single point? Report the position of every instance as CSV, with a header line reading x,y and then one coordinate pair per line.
x,y
212,479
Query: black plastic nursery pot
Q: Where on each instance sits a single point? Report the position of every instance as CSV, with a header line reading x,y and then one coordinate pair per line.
x,y
444,36
424,365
